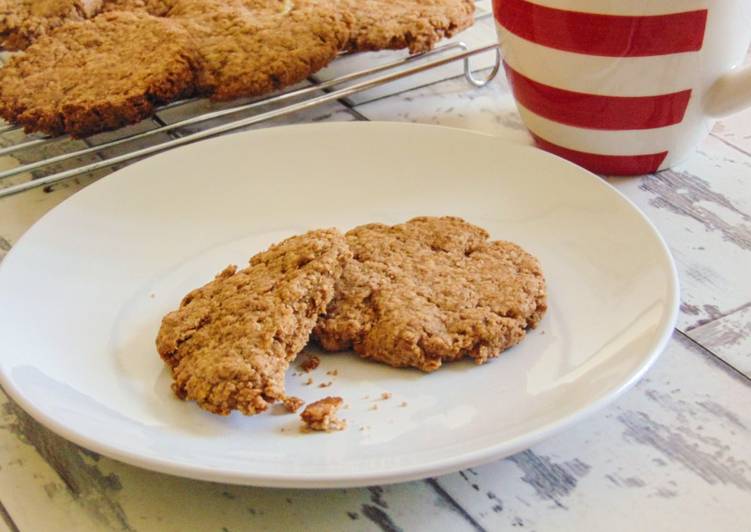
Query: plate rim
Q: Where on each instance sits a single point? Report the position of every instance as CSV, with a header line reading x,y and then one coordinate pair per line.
x,y
350,480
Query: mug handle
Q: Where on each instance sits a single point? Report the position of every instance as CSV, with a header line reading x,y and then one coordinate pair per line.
x,y
730,94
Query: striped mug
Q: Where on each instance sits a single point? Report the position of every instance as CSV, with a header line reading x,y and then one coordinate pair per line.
x,y
624,87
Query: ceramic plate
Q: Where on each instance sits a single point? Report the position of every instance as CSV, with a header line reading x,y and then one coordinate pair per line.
x,y
82,295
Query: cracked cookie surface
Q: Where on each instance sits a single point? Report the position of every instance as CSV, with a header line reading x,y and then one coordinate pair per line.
x,y
432,290
232,340
24,21
253,47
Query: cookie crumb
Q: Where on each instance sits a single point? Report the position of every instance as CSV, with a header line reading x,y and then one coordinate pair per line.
x,y
332,372
386,396
308,382
325,384
403,403
152,295
373,407
292,403
321,415
310,363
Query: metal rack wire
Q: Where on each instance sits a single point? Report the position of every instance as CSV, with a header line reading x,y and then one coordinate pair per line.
x,y
363,80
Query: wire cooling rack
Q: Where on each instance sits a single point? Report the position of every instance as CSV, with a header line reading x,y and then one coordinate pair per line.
x,y
282,104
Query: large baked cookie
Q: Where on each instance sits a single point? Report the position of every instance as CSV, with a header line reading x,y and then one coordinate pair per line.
x,y
232,340
158,8
252,47
98,74
414,24
24,21
432,290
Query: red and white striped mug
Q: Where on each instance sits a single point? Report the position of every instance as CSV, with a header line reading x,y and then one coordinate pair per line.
x,y
625,87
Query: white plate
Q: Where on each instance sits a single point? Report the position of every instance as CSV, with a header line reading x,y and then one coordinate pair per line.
x,y
83,292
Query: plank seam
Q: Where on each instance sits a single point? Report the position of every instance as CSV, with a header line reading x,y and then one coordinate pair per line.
x,y
433,483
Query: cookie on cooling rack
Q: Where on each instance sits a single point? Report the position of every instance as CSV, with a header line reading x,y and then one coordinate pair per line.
x,y
158,8
98,74
414,24
252,47
24,21
231,341
432,290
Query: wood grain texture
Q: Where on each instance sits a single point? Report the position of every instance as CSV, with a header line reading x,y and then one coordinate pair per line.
x,y
729,338
46,480
6,521
642,464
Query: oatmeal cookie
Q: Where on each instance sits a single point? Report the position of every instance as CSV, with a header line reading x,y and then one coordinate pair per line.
x,y
252,47
232,340
414,24
98,74
24,21
158,8
432,290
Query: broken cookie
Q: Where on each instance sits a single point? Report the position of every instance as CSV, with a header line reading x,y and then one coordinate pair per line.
x,y
232,340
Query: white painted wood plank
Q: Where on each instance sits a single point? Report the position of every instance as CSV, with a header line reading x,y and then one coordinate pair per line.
x,y
702,209
6,522
454,102
34,495
48,483
735,130
671,455
729,338
127,131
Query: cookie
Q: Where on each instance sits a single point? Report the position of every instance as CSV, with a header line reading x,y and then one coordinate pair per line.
x,y
250,48
158,8
414,24
98,74
24,21
232,340
432,290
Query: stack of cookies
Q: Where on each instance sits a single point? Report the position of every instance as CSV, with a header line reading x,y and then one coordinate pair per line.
x,y
94,65
417,294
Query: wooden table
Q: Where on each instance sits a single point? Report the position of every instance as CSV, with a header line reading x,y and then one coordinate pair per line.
x,y
674,453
